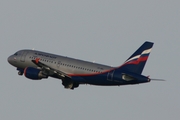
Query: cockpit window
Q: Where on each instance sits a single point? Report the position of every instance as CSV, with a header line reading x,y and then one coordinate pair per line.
x,y
16,53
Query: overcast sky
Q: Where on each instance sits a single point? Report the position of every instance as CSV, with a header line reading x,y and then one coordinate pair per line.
x,y
106,32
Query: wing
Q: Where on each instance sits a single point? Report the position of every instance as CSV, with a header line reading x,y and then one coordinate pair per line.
x,y
47,70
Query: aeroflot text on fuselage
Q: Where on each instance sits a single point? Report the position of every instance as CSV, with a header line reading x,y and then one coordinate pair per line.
x,y
45,55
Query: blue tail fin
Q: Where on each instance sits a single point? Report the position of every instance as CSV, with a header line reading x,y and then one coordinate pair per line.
x,y
136,62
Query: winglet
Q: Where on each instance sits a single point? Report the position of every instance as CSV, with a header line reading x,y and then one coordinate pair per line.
x,y
37,60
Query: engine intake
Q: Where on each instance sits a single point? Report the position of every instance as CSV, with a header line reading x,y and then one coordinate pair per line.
x,y
34,74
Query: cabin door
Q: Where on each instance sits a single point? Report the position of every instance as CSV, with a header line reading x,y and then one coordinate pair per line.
x,y
23,56
110,75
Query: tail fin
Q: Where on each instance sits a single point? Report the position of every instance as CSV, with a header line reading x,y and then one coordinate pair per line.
x,y
136,62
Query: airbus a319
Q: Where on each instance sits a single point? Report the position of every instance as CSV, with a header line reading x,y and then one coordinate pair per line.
x,y
37,65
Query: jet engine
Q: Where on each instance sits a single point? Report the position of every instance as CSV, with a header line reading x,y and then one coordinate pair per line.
x,y
67,83
34,74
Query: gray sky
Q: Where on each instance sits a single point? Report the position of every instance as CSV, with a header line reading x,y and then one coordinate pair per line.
x,y
107,32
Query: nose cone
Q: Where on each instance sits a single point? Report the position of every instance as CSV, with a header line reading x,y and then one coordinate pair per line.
x,y
10,59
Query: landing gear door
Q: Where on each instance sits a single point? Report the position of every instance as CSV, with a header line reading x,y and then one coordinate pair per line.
x,y
23,56
110,75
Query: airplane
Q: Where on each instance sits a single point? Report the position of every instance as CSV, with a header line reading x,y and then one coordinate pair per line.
x,y
37,65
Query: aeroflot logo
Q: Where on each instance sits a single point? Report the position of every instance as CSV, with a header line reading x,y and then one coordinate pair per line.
x,y
45,55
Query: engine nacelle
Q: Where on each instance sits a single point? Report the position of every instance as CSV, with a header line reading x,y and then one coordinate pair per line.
x,y
34,74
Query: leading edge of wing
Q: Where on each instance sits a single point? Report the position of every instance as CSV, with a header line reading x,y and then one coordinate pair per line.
x,y
49,69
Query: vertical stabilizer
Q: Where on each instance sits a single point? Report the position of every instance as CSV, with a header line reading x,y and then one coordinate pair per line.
x,y
136,62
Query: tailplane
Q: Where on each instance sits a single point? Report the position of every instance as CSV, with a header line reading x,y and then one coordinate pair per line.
x,y
136,62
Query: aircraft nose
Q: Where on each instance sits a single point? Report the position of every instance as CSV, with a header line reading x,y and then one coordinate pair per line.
x,y
10,59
